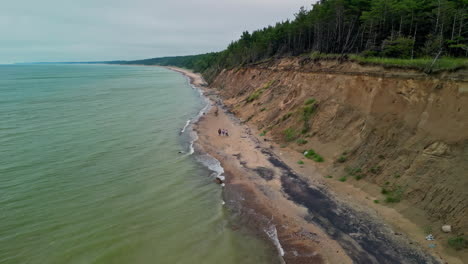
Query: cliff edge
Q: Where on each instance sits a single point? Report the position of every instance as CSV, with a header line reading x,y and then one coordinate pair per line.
x,y
402,131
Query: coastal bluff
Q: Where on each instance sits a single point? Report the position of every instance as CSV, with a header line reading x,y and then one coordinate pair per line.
x,y
399,136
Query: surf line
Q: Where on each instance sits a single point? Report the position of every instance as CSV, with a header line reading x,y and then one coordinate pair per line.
x,y
205,159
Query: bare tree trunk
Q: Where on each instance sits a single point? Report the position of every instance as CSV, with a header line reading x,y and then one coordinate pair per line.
x,y
428,70
362,36
441,35
351,45
438,15
462,17
453,25
414,40
411,25
401,22
343,50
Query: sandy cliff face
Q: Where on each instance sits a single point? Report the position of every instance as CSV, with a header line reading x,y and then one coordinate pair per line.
x,y
402,130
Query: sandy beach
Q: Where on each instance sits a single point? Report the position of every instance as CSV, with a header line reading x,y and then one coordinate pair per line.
x,y
304,219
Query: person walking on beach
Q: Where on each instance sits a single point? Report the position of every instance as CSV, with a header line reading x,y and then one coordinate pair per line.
x,y
222,132
219,131
226,132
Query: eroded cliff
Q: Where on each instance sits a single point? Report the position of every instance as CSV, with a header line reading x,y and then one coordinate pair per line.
x,y
399,129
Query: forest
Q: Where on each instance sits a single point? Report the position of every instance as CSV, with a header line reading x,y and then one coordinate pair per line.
x,y
400,29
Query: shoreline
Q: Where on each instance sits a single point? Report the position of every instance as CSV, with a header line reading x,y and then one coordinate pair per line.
x,y
258,180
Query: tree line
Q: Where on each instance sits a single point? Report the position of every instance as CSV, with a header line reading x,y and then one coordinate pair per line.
x,y
387,28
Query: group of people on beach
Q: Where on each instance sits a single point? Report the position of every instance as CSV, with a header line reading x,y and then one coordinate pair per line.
x,y
223,132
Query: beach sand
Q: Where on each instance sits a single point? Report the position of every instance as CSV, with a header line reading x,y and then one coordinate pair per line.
x,y
305,220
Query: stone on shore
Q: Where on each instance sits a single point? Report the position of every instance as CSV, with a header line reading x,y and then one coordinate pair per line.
x,y
220,179
447,228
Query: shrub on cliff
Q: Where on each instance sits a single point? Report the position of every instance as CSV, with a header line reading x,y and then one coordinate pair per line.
x,y
311,154
289,134
301,141
307,112
458,242
255,95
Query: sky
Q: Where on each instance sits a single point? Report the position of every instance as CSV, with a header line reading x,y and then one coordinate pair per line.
x,y
100,30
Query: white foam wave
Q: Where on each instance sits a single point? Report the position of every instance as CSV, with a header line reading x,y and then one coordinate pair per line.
x,y
193,138
206,108
207,160
212,164
186,125
221,177
273,235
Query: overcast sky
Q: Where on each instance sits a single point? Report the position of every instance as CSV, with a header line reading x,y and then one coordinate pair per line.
x,y
90,30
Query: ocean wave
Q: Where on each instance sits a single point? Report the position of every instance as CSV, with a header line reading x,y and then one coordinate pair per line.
x,y
185,127
207,160
212,164
272,233
194,137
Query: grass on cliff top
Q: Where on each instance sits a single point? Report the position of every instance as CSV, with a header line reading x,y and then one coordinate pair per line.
x,y
444,63
423,64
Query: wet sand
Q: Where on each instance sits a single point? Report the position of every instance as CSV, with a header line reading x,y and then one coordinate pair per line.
x,y
309,222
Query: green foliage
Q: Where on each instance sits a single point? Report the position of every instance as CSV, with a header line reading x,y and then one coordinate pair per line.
x,y
300,162
301,141
318,158
458,242
289,134
427,230
311,154
255,95
307,112
342,179
305,129
342,159
286,116
392,199
375,169
353,171
249,118
333,28
444,63
398,48
397,175
263,133
394,195
263,109
376,201
268,85
310,101
328,176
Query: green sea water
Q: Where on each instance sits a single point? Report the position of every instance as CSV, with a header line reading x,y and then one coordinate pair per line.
x,y
90,171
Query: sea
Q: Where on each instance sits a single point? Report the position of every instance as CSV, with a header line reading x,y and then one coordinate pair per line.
x,y
97,166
